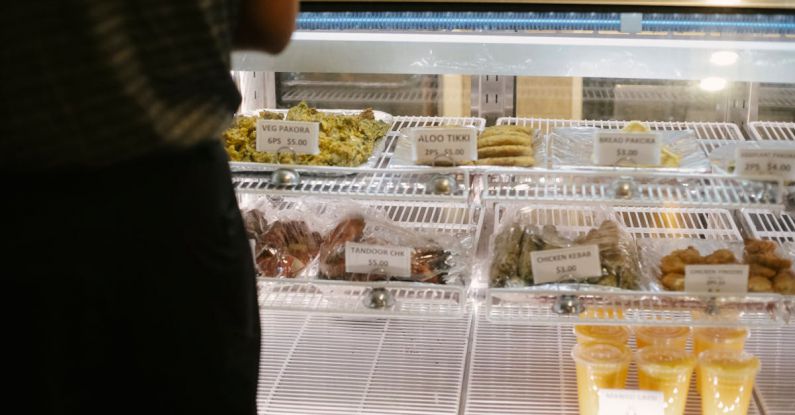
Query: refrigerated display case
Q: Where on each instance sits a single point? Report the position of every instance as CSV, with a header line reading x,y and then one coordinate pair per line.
x,y
720,72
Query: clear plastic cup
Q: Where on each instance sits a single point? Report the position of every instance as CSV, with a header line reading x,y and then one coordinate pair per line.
x,y
668,371
670,337
727,379
719,338
601,334
599,366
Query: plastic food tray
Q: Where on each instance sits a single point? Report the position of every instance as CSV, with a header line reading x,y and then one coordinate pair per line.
x,y
372,161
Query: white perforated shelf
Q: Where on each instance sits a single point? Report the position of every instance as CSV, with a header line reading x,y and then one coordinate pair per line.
x,y
349,298
775,383
421,121
459,220
767,224
679,223
711,135
331,365
376,182
364,184
644,189
528,369
522,306
319,95
771,130
535,304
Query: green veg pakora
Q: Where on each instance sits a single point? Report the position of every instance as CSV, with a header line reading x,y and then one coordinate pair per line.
x,y
344,140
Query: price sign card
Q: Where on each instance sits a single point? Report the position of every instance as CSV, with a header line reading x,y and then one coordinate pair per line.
x,y
301,137
365,258
554,264
727,279
457,143
614,148
630,402
765,162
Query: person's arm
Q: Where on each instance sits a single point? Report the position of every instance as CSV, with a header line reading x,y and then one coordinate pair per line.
x,y
266,24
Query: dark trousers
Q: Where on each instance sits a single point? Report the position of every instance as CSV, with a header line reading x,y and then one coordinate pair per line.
x,y
129,289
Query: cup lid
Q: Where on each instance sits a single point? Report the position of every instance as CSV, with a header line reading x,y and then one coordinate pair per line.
x,y
614,333
729,362
601,354
722,334
666,358
663,332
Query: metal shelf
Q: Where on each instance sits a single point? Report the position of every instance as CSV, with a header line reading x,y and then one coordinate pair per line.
x,y
365,184
348,298
321,364
774,384
332,365
679,223
525,306
710,135
459,220
528,369
401,122
766,224
770,130
319,95
672,190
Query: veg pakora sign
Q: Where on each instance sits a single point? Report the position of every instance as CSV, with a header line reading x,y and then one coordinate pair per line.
x,y
300,137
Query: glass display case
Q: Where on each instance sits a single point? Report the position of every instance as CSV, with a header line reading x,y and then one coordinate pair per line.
x,y
467,322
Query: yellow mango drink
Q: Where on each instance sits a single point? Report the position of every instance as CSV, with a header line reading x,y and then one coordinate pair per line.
x,y
601,334
717,338
668,371
727,379
599,366
670,337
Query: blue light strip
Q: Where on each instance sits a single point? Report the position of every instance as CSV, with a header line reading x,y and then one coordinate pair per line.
x,y
490,21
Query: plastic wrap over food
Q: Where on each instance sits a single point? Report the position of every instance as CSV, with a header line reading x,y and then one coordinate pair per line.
x,y
664,260
502,145
723,158
770,266
573,147
522,231
286,241
435,257
307,239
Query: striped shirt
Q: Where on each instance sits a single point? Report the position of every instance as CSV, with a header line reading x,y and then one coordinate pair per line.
x,y
89,83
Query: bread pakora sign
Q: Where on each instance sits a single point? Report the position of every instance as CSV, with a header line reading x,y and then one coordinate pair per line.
x,y
275,136
726,279
556,264
441,144
615,148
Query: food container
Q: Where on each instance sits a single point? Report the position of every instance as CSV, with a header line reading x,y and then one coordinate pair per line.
x,y
322,169
717,338
573,147
663,259
599,366
404,151
668,371
726,382
674,338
